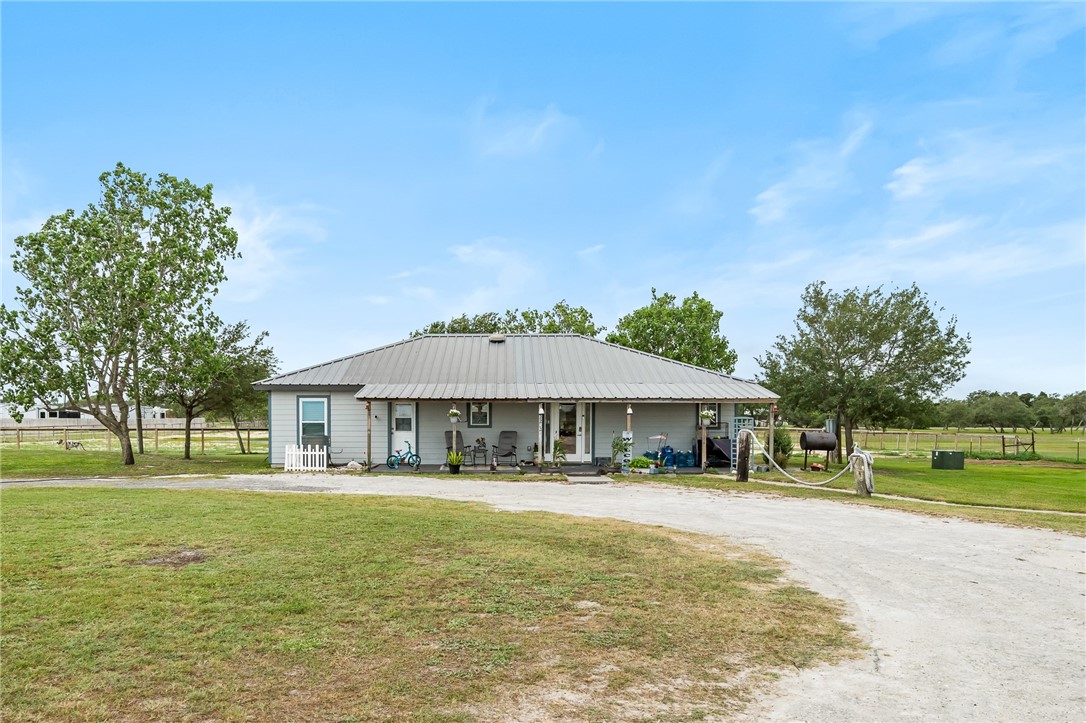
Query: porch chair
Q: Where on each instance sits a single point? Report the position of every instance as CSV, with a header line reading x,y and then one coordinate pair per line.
x,y
507,447
459,443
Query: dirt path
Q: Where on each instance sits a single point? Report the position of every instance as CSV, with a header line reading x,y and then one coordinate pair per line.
x,y
967,621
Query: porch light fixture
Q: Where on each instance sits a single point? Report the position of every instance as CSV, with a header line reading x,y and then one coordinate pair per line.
x,y
629,409
541,410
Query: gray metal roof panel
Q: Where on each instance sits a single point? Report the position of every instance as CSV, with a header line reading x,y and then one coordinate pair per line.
x,y
524,366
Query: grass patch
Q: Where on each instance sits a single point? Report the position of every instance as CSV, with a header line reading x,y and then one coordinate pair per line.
x,y
50,461
150,604
1031,486
998,483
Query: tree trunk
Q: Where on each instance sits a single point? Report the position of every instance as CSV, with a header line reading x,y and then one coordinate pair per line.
x,y
126,448
119,429
188,433
837,432
237,429
848,439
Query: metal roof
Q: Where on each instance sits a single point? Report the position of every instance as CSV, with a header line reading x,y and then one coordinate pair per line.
x,y
519,367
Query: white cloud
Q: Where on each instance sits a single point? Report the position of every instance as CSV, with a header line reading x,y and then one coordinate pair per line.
x,y
928,235
822,169
591,251
981,254
270,237
519,133
499,264
967,160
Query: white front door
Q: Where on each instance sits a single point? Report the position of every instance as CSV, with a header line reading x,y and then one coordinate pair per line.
x,y
569,423
403,427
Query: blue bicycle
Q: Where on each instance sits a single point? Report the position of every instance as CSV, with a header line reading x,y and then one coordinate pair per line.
x,y
409,458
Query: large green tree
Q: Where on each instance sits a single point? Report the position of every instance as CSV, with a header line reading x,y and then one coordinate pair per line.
x,y
560,319
687,332
865,356
234,396
108,287
204,370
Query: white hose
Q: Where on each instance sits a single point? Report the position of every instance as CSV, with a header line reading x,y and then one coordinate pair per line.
x,y
857,456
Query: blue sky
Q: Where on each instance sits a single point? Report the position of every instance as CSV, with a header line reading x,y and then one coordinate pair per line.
x,y
392,165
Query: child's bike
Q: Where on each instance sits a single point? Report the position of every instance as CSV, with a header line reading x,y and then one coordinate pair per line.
x,y
409,458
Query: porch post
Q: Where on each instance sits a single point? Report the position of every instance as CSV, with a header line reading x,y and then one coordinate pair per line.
x,y
704,424
539,448
772,449
369,435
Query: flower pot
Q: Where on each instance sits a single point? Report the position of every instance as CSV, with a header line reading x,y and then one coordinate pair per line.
x,y
454,469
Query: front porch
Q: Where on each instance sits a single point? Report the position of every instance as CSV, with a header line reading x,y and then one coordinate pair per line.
x,y
573,470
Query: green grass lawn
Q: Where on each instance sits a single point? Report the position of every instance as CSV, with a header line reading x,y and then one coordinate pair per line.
x,y
201,605
1030,485
49,461
1027,485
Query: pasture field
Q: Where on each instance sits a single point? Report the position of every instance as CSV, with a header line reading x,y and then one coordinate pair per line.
x,y
998,483
49,461
1052,489
205,440
1066,446
171,604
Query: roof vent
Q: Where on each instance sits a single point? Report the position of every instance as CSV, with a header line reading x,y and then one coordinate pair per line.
x,y
497,338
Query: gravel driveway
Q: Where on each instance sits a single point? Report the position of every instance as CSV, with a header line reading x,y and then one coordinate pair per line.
x,y
966,621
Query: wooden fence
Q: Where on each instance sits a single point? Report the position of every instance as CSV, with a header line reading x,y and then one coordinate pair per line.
x,y
204,439
924,441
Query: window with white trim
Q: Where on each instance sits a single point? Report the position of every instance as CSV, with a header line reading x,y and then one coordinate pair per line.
x,y
313,415
404,417
479,414
714,407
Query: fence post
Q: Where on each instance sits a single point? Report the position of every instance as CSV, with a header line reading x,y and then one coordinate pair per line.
x,y
156,439
201,440
18,437
249,440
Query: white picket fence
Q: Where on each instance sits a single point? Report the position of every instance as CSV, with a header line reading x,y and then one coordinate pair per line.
x,y
305,459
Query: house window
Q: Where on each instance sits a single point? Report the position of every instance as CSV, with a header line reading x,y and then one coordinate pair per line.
x,y
479,414
713,407
313,414
405,414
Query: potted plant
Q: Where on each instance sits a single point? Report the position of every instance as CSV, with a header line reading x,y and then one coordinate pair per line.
x,y
454,414
619,448
707,416
455,459
782,448
641,465
558,453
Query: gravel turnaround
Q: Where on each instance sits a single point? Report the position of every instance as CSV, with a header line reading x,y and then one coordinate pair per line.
x,y
966,621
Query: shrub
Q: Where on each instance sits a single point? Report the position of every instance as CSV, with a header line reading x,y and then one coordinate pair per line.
x,y
640,463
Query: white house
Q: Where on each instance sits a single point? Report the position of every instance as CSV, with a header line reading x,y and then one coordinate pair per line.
x,y
574,389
